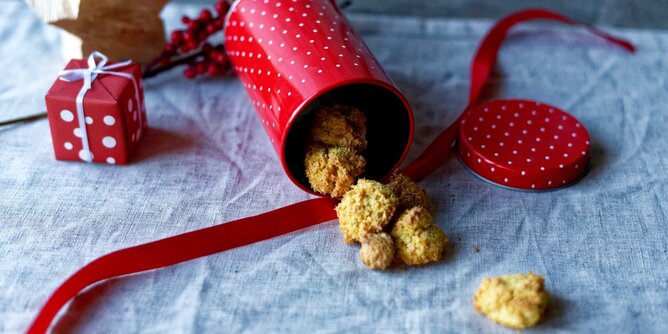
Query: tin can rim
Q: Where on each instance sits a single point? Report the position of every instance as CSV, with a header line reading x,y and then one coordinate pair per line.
x,y
303,106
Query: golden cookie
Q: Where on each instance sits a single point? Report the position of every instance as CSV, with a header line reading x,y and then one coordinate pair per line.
x,y
377,250
517,301
417,240
409,194
339,126
332,170
365,209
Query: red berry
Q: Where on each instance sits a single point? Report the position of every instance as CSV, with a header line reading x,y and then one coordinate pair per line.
x,y
211,28
201,68
185,19
193,26
189,36
213,69
205,15
221,58
221,6
220,22
189,73
202,35
192,45
213,54
169,50
177,37
184,47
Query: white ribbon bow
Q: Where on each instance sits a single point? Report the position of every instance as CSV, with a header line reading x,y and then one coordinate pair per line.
x,y
89,75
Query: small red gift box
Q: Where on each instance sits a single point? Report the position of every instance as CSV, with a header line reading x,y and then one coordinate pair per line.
x,y
96,110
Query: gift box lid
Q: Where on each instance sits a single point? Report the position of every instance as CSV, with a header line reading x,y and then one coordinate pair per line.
x,y
105,88
523,144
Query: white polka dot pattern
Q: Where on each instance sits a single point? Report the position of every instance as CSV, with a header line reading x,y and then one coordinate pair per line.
x,y
286,52
66,115
109,120
109,142
523,144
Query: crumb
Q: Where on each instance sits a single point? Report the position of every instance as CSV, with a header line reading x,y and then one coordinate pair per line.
x,y
377,250
409,194
332,170
517,301
476,249
366,208
340,126
417,239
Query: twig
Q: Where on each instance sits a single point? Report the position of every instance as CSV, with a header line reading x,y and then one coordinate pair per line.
x,y
23,119
151,72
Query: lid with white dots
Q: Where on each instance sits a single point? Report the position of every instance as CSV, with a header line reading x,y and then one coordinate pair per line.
x,y
295,56
523,144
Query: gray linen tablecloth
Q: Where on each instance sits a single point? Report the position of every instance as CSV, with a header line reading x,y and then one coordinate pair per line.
x,y
601,244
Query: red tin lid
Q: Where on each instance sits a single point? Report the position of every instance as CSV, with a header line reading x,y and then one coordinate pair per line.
x,y
523,144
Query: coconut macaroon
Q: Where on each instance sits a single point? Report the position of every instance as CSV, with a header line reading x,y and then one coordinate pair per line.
x,y
417,240
365,209
332,170
339,125
377,250
517,301
409,194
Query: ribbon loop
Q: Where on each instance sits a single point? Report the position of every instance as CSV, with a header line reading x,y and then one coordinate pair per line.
x,y
483,62
93,68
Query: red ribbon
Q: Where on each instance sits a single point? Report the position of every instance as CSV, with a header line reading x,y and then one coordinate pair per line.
x,y
218,238
483,62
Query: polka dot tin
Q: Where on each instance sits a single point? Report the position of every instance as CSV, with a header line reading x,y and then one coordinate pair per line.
x,y
293,56
524,145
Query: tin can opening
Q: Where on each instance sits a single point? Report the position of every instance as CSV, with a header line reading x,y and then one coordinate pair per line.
x,y
389,129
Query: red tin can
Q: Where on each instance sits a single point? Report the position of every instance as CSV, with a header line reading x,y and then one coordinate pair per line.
x,y
295,56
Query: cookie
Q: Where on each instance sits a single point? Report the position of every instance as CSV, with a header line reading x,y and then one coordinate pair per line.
x,y
408,193
417,240
517,301
332,170
365,209
340,126
377,250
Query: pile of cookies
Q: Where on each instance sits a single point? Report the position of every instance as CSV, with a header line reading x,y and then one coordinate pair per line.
x,y
336,141
370,209
392,221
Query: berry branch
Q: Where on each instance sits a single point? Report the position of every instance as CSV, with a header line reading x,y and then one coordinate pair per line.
x,y
190,46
